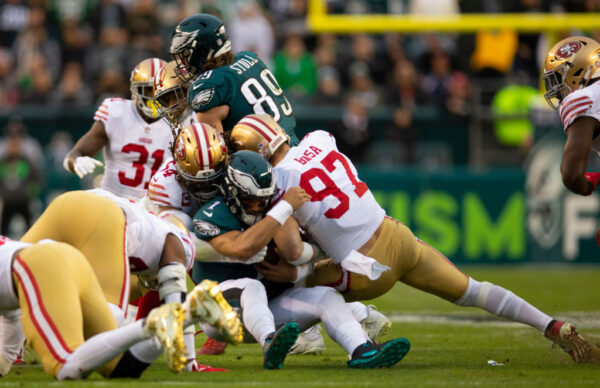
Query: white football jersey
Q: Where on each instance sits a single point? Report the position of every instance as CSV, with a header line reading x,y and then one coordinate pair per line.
x,y
135,148
165,190
342,214
582,102
146,234
8,298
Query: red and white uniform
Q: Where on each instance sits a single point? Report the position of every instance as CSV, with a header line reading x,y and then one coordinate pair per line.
x,y
135,148
165,191
342,214
8,298
582,102
146,234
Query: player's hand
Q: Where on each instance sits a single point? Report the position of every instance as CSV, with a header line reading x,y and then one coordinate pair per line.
x,y
296,196
258,257
84,165
282,272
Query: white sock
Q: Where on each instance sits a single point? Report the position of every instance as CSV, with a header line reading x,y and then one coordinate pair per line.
x,y
190,345
359,310
257,317
339,321
100,349
12,337
147,351
503,303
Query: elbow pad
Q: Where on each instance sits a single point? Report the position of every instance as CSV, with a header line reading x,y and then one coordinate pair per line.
x,y
171,283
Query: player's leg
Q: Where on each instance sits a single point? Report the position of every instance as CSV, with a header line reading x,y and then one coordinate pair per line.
x,y
96,227
306,306
435,274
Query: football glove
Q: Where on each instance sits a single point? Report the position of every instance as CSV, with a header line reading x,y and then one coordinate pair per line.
x,y
592,177
84,165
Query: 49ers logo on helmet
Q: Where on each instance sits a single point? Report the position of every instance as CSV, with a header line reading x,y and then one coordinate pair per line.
x,y
567,49
180,149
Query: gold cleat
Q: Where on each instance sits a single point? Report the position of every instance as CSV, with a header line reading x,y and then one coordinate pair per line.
x,y
166,323
206,303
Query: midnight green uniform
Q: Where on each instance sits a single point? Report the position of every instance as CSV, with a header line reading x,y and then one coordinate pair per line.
x,y
211,220
214,219
247,86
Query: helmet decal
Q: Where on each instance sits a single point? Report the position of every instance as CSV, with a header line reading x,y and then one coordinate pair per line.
x,y
568,49
181,39
180,148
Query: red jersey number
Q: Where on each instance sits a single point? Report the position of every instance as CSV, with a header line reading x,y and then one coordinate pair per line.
x,y
360,188
140,164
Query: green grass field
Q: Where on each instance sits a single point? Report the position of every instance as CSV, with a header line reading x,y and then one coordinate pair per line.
x,y
451,346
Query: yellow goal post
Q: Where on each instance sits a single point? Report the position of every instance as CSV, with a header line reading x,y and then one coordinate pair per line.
x,y
319,21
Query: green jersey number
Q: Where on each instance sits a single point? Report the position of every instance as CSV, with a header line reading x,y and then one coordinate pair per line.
x,y
256,95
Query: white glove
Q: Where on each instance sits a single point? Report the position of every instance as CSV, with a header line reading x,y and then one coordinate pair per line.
x,y
258,257
84,165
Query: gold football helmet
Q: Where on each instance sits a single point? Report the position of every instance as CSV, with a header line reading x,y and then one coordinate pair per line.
x,y
170,92
141,85
570,65
259,133
200,154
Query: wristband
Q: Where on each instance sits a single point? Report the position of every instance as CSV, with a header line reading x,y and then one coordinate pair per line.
x,y
281,212
303,271
66,164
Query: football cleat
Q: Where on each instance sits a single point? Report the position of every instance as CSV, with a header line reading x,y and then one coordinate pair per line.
x,y
194,366
206,303
212,348
278,345
309,342
372,355
564,335
166,323
376,325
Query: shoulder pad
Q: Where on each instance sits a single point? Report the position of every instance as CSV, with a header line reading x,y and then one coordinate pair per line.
x,y
575,105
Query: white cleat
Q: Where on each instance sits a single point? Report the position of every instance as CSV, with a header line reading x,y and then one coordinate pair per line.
x,y
309,342
166,323
376,325
206,303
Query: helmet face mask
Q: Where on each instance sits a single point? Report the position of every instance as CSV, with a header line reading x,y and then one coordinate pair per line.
x,y
248,186
170,94
142,86
200,154
570,65
197,39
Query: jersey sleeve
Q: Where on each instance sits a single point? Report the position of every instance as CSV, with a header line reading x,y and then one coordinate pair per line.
x,y
108,112
214,219
164,190
210,90
575,105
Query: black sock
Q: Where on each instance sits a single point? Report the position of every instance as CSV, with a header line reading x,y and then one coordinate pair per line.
x,y
128,366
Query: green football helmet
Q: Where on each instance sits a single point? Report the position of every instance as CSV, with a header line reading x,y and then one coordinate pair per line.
x,y
248,186
197,39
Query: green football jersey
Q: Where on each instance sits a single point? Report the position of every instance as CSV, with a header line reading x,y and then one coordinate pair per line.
x,y
214,219
247,86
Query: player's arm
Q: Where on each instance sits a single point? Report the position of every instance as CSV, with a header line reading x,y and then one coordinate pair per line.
x,y
78,159
580,135
214,116
172,271
244,245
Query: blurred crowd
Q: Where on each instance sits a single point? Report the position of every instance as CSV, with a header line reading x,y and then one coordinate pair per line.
x,y
73,53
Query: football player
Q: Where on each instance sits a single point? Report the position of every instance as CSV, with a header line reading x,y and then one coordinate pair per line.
x,y
134,139
370,251
118,236
170,94
226,86
236,224
570,73
68,321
